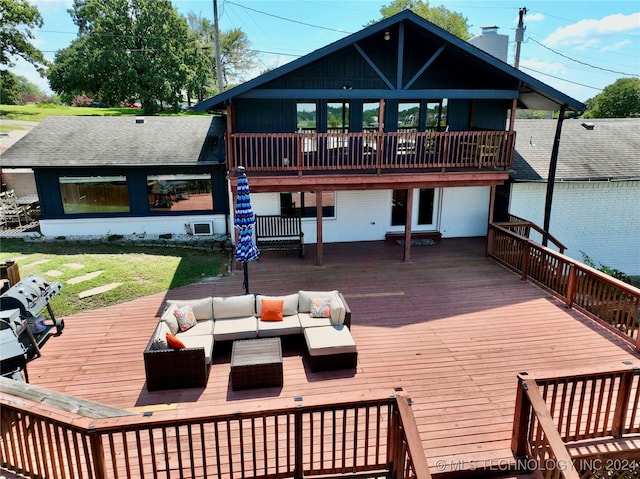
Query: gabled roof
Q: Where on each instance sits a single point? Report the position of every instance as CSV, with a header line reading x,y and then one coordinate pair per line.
x,y
87,141
533,94
608,151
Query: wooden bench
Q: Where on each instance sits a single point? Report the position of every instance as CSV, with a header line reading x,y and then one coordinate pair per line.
x,y
276,233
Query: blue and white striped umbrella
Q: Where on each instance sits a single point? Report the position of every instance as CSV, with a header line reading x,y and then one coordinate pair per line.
x,y
244,220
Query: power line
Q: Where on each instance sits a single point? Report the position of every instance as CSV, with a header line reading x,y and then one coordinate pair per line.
x,y
562,79
287,19
581,62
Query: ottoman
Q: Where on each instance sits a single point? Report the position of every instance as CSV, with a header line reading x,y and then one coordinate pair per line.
x,y
331,347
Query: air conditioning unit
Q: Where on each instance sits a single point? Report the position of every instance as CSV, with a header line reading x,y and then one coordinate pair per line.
x,y
202,228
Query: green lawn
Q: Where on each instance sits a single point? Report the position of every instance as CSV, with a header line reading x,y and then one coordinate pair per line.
x,y
38,112
142,270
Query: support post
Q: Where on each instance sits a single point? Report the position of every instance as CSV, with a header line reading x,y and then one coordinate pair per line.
x,y
521,418
319,240
407,226
553,163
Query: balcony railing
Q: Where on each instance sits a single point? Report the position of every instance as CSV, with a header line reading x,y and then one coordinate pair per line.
x,y
370,151
377,435
552,413
611,302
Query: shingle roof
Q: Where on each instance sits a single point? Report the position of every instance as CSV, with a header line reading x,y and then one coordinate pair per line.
x,y
105,141
609,151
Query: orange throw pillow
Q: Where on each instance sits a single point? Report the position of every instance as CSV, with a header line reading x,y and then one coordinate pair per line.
x,y
272,309
174,343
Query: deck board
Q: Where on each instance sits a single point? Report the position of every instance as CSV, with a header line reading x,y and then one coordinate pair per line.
x,y
451,327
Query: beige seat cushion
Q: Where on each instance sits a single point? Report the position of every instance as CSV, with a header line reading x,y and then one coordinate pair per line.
x,y
306,321
325,340
234,307
205,342
289,325
201,328
235,328
202,308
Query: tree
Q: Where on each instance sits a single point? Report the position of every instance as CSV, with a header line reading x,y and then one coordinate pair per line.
x,y
18,90
450,21
127,49
16,35
235,57
621,99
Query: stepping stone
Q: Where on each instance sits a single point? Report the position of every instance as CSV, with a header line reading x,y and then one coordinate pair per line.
x,y
84,277
54,272
74,265
98,290
40,261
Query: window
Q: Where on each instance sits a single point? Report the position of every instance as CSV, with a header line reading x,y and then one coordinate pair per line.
x,y
426,204
94,194
304,203
370,116
180,192
338,117
408,116
437,115
306,117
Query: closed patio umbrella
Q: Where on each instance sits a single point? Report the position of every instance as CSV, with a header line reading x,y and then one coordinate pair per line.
x,y
244,220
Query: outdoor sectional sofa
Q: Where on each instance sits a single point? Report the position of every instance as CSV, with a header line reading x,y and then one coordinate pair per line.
x,y
322,317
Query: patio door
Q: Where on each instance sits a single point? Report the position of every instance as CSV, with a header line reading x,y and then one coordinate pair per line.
x,y
424,214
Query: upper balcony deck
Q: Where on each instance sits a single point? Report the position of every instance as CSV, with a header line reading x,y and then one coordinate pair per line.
x,y
466,157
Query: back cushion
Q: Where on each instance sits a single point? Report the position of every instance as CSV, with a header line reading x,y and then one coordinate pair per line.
x,y
290,304
202,308
305,297
234,307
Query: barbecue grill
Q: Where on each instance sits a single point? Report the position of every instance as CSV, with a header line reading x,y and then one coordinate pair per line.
x,y
22,308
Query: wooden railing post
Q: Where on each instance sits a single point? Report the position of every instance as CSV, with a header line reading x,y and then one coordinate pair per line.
x,y
521,417
571,285
298,468
622,404
526,259
97,455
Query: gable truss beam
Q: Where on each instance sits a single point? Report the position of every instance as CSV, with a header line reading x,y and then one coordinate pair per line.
x,y
335,94
373,65
424,67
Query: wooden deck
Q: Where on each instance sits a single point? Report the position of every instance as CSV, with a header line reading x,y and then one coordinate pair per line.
x,y
451,327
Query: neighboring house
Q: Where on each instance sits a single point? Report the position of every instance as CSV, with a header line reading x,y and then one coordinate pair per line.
x,y
398,128
596,196
126,175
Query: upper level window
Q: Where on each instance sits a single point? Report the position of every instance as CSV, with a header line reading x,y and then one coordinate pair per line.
x,y
306,117
370,116
180,192
408,116
94,194
338,117
304,203
437,115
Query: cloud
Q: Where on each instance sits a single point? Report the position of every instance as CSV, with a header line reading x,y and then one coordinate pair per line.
x,y
594,33
616,46
551,68
536,17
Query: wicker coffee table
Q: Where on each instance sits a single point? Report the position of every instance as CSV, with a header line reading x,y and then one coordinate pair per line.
x,y
256,363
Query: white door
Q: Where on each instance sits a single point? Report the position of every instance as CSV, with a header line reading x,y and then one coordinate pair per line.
x,y
424,214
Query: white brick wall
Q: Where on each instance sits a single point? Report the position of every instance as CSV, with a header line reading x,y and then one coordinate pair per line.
x,y
600,218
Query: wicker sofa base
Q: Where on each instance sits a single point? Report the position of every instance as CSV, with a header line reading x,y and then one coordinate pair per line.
x,y
333,361
176,369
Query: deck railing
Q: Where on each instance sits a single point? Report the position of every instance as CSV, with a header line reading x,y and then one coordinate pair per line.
x,y
611,302
552,412
308,152
524,227
370,434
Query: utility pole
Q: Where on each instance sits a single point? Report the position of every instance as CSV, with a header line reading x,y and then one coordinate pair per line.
x,y
216,39
519,35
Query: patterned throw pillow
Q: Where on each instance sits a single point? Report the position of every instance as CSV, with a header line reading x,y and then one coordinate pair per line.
x,y
186,318
174,343
320,308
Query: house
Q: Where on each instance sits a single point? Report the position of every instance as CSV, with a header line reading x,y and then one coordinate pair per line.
x,y
398,129
145,176
596,196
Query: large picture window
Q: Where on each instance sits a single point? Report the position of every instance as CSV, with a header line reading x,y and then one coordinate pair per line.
x,y
94,194
180,192
304,203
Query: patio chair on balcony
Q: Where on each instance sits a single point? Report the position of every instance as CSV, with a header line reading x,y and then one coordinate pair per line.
x,y
481,152
12,213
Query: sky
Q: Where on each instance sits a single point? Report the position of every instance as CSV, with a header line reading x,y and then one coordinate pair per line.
x,y
576,46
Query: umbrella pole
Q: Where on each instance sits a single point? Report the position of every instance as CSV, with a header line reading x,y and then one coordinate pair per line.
x,y
245,283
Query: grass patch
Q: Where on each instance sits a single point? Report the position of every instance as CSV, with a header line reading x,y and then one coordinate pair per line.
x,y
142,270
33,112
